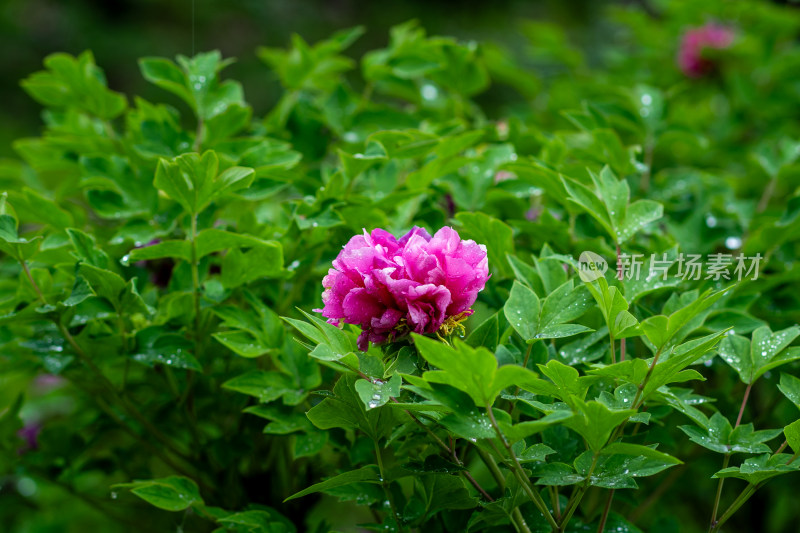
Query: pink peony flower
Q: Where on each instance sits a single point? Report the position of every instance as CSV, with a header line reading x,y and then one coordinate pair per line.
x,y
695,40
390,287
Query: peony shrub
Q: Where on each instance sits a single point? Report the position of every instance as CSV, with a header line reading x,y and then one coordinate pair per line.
x,y
566,301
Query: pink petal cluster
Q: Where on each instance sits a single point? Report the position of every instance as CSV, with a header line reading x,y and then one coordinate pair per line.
x,y
390,287
690,54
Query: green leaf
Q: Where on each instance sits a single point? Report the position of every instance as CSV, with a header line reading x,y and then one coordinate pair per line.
x,y
555,474
614,308
367,474
346,410
260,520
117,190
586,349
535,453
356,164
172,249
444,492
196,82
283,421
593,421
766,351
792,432
660,329
109,285
473,371
173,493
756,470
335,343
609,205
790,387
193,181
241,343
532,321
157,346
377,393
33,207
10,241
495,234
567,380
266,386
74,82
522,311
487,334
673,368
522,430
263,259
86,249
618,465
721,437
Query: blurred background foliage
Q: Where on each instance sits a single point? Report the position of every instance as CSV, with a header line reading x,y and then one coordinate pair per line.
x,y
121,31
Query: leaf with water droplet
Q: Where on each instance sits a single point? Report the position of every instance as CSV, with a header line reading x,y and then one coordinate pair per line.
x,y
266,386
366,474
766,351
756,470
719,436
532,320
173,493
377,393
790,387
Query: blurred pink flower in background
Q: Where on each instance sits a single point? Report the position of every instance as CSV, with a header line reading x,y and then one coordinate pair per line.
x,y
695,41
390,287
30,437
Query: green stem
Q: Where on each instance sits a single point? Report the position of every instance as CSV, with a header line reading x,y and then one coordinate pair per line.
x,y
144,442
740,500
640,390
644,184
525,363
106,383
577,496
198,136
92,502
622,341
555,502
186,399
519,473
33,283
385,485
606,510
112,391
493,469
123,334
744,403
725,461
451,452
613,350
516,515
195,284
769,190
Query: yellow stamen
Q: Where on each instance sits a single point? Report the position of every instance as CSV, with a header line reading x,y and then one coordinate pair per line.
x,y
454,323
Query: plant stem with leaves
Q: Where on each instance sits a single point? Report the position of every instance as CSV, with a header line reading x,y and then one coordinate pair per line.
x,y
519,473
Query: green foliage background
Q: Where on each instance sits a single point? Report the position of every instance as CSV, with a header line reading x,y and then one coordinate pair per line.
x,y
159,224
